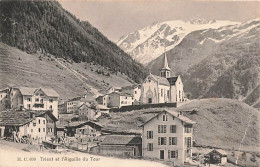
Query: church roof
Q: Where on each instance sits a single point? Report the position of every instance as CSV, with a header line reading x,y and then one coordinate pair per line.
x,y
161,80
172,80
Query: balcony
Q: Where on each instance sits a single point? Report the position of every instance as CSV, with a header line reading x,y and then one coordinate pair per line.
x,y
38,105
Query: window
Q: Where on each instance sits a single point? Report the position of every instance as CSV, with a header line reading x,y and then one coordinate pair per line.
x,y
28,106
135,92
161,92
126,97
39,121
172,140
39,129
172,154
43,121
168,93
149,134
122,102
150,147
188,130
173,129
188,141
37,100
41,94
43,129
161,128
165,118
28,99
161,140
179,94
50,107
31,130
50,100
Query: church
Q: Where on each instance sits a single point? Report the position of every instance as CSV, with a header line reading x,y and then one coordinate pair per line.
x,y
163,88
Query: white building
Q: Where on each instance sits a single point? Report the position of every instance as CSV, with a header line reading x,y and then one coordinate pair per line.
x,y
36,124
163,88
30,98
168,136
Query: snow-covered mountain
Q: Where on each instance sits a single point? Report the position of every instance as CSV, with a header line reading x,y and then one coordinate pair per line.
x,y
150,42
223,62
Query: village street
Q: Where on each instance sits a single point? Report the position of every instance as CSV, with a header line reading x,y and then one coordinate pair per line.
x,y
12,155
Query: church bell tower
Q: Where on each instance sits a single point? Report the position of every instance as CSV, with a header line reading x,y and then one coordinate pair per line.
x,y
166,71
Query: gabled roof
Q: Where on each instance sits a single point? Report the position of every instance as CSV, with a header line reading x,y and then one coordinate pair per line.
x,y
173,113
172,80
78,124
27,91
19,118
121,94
102,107
121,140
222,152
161,80
50,92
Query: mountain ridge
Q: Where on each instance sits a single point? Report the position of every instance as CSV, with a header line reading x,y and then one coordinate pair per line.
x,y
150,42
45,27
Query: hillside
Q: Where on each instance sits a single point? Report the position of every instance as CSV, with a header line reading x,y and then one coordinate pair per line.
x,y
222,62
150,42
47,28
23,69
220,122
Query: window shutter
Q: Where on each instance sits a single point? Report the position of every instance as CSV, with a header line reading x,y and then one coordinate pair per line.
x,y
170,141
169,154
152,134
159,141
164,128
164,141
159,129
147,134
176,154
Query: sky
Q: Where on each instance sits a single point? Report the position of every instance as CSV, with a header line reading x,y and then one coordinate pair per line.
x,y
115,18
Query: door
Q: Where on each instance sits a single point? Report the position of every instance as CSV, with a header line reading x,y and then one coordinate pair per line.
x,y
150,100
161,154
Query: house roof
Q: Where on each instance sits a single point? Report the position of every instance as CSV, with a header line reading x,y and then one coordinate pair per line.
x,y
27,90
30,91
78,124
50,92
121,140
131,86
172,80
173,113
19,118
161,80
122,94
222,152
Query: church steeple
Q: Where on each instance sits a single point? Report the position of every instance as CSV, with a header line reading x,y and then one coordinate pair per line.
x,y
165,71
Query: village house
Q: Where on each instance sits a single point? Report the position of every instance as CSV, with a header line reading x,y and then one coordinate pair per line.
x,y
135,91
36,124
119,146
72,105
163,88
83,128
116,99
168,136
217,156
86,112
30,99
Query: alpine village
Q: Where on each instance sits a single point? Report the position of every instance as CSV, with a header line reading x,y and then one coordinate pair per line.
x,y
65,87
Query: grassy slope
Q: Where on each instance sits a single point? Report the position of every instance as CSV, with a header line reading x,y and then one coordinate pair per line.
x,y
30,71
220,122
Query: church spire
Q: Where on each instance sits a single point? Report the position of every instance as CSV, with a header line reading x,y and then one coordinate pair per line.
x,y
165,71
166,66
